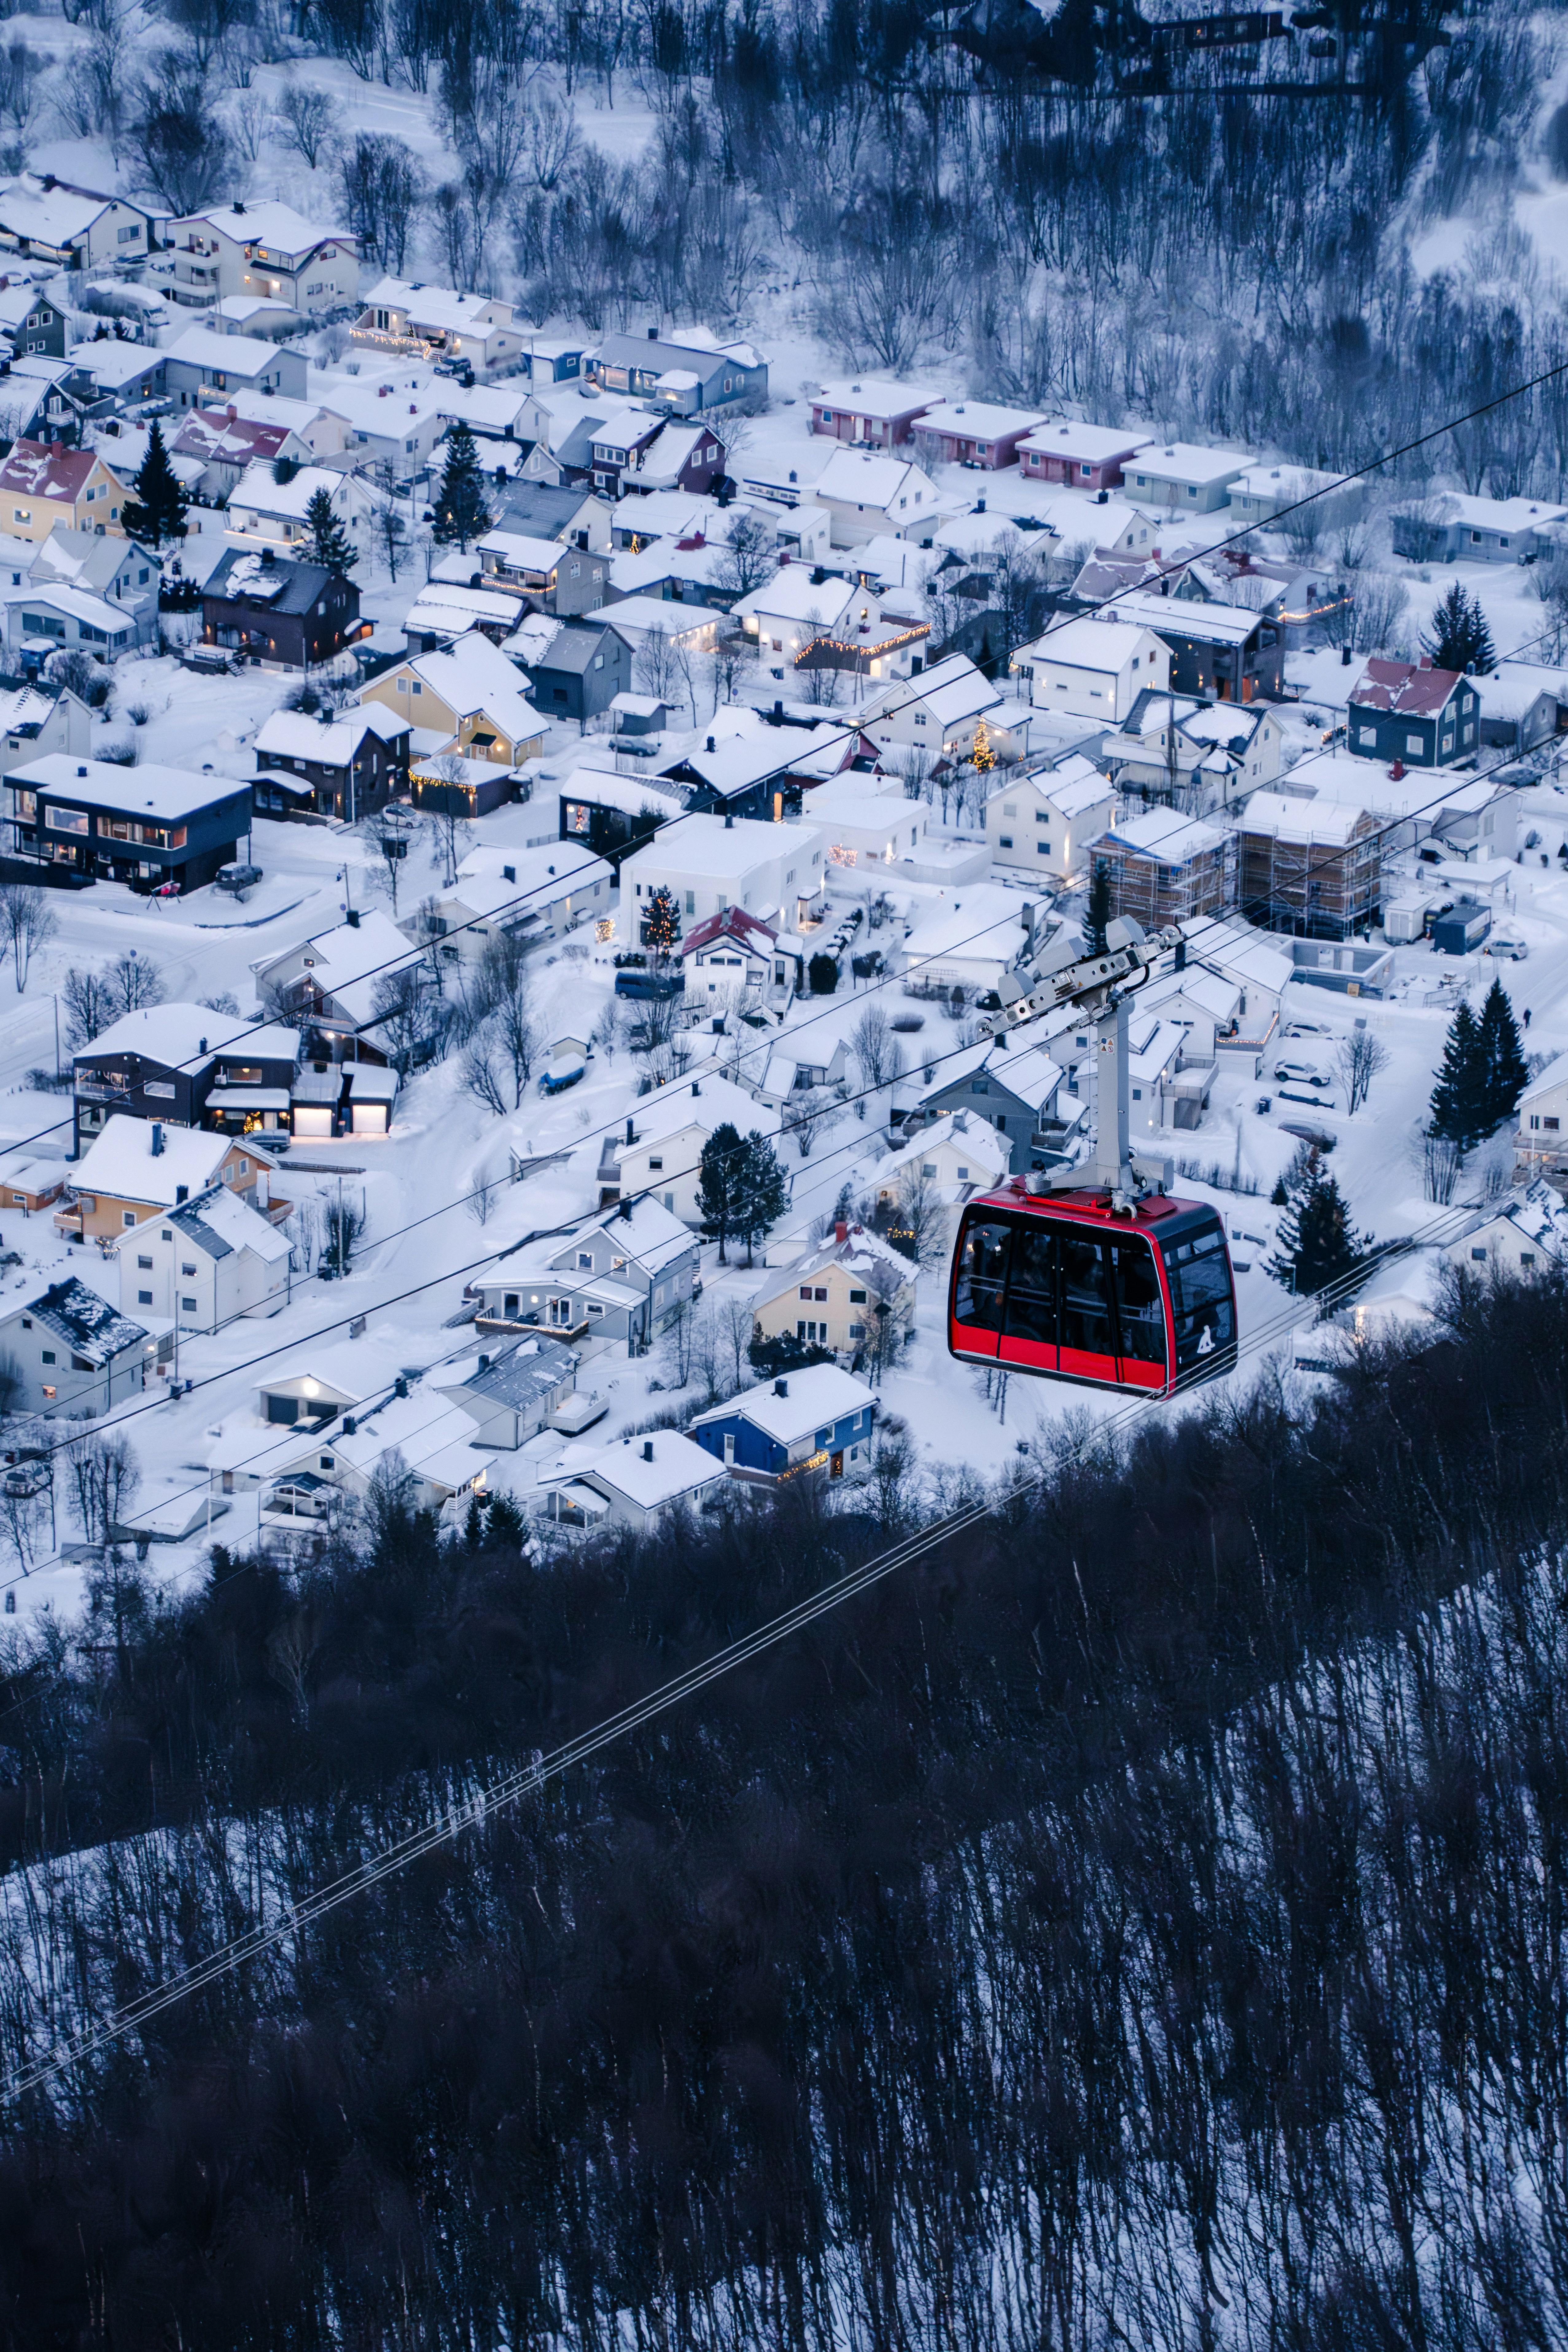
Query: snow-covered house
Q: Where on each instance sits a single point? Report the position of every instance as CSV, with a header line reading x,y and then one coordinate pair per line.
x,y
471,696
551,577
265,513
135,1170
814,1422
1041,822
330,977
865,494
619,1280
968,941
394,426
204,369
51,220
41,718
669,1129
850,1293
973,433
1094,668
866,819
872,409
224,445
74,1353
711,863
732,954
509,1389
1526,1237
955,1152
1186,479
1088,457
543,893
263,249
1540,1140
204,1263
1013,1088
631,1484
1452,528
43,483
1163,866
937,713
432,323
342,766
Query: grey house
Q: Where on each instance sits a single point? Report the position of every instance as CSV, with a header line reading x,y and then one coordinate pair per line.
x,y
76,1354
1450,528
203,365
585,666
1014,1092
682,377
622,1279
512,1390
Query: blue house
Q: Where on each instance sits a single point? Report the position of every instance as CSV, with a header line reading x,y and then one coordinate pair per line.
x,y
1410,712
812,1423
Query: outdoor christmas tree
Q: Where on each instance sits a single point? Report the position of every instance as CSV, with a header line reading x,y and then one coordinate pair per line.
x,y
1460,1109
1459,638
661,923
1316,1244
461,513
329,543
1098,912
982,757
1505,1071
157,512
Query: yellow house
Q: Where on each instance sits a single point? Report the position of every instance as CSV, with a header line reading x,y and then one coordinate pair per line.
x,y
471,696
850,1293
43,483
137,1169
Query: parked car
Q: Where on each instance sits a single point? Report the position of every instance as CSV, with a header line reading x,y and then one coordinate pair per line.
x,y
647,987
1501,943
1301,1074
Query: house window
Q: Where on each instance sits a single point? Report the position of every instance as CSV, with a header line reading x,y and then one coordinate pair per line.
x,y
128,1218
48,1357
1368,736
143,1299
655,1167
187,1306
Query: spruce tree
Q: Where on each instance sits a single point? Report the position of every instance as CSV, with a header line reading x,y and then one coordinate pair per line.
x,y
1098,912
1459,1106
1459,638
157,511
661,923
720,1176
761,1192
329,543
1316,1244
1505,1069
461,513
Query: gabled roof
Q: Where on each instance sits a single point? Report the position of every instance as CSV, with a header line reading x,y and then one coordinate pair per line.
x,y
818,1393
518,1376
175,1036
48,469
229,355
214,436
862,1253
169,792
121,1160
1165,834
1283,818
51,216
575,644
245,574
1412,689
294,735
1092,644
86,1323
272,224
1184,461
734,923
258,490
854,478
1092,444
221,1225
677,1466
965,1131
707,1101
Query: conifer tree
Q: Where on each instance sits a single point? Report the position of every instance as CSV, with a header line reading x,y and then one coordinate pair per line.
x,y
461,513
1506,1071
1459,1107
157,511
329,543
720,1176
1316,1244
1459,638
761,1193
661,924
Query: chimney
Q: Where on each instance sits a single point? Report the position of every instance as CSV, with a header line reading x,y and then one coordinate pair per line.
x,y
1396,772
841,1231
400,1385
781,1388
653,334
200,1046
713,746
232,413
157,1138
647,1449
484,1363
778,708
509,873
182,1194
352,917
268,559
728,820
630,1136
237,205
351,1425
979,506
695,1088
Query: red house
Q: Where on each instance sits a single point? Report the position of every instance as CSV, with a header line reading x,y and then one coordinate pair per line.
x,y
879,416
973,433
1088,457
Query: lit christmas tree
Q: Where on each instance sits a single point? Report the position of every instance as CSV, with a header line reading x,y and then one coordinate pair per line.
x,y
983,757
661,924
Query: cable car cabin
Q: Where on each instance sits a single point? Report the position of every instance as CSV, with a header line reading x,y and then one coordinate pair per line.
x,y
1053,1284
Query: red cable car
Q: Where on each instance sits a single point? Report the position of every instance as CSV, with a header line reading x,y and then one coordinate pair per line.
x,y
1060,1286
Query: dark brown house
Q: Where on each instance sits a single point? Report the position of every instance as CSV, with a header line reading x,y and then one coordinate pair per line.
x,y
346,766
281,615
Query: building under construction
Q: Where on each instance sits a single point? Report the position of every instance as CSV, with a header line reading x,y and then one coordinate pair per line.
x,y
1163,867
1313,867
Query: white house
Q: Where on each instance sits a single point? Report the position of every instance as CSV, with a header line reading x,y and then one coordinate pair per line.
x,y
1093,668
1187,481
669,1129
264,512
710,863
433,322
1526,1238
1539,1143
865,494
395,426
959,1153
969,940
1259,493
49,220
205,1263
937,713
542,892
1041,822
863,822
631,1484
263,249
732,954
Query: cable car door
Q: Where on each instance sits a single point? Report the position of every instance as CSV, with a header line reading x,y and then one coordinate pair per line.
x,y
980,1281
1030,1337
1088,1350
1139,1312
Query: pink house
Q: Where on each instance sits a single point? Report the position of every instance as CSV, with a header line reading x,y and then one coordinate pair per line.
x,y
1090,456
868,412
973,433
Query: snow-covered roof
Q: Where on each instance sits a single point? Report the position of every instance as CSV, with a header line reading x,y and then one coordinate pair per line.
x,y
114,364
856,478
707,847
1546,1081
1506,515
1286,819
385,409
88,1325
1164,834
473,675
1026,1070
1076,786
441,605
650,1472
1414,690
48,469
1513,688
1089,643
79,604
976,420
644,1231
792,595
865,1254
966,1132
1090,444
350,952
169,792
178,1036
634,797
121,1160
49,216
221,1225
295,735
708,1102
951,691
1184,461
437,306
1182,616
235,356
984,924
257,491
215,436
272,224
877,397
520,552
786,1408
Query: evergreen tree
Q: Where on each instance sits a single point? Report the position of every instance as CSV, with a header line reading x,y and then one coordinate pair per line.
x,y
329,543
157,511
461,513
1098,912
1459,638
661,923
1504,1068
1316,1244
761,1192
721,1174
1459,1104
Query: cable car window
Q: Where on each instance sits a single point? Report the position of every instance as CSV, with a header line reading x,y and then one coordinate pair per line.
x,y
1032,1292
1200,1293
982,1276
1139,1308
1085,1296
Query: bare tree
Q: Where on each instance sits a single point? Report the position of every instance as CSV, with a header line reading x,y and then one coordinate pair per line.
x,y
747,558
481,1074
305,119
806,1113
1359,1059
343,1227
104,1478
877,1050
445,800
133,980
390,1493
923,1220
27,921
